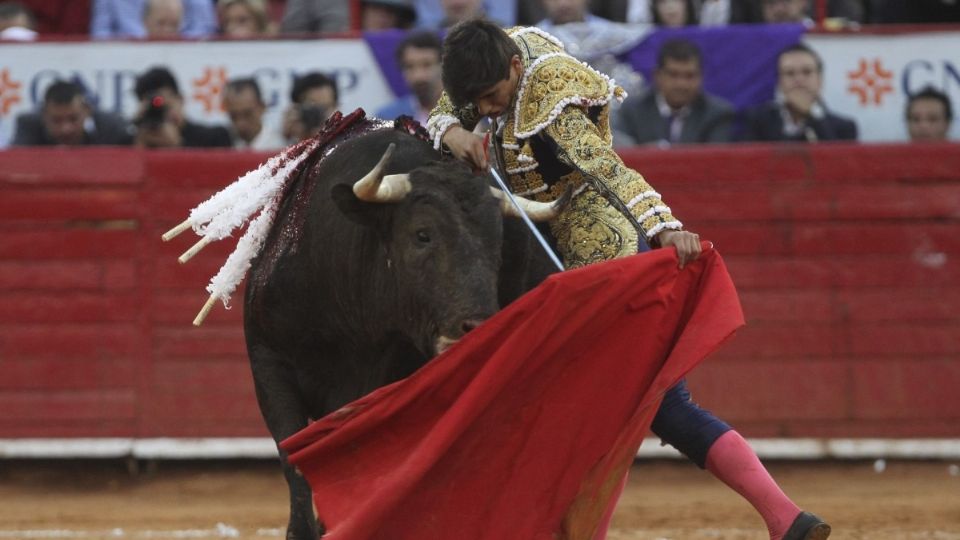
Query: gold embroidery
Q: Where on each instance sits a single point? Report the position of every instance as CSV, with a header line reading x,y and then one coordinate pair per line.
x,y
574,180
566,80
526,182
584,148
589,230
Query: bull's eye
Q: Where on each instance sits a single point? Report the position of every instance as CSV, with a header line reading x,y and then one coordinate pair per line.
x,y
423,236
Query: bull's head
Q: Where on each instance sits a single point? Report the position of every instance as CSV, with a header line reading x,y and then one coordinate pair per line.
x,y
441,230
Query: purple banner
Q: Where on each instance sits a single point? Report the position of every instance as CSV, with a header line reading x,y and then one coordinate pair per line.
x,y
383,45
739,61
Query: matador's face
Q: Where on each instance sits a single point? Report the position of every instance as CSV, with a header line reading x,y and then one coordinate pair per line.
x,y
499,98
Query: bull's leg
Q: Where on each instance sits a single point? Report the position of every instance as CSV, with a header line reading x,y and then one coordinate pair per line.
x,y
285,413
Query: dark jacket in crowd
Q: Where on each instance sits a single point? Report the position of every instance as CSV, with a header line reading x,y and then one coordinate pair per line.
x,y
201,136
108,129
709,121
766,124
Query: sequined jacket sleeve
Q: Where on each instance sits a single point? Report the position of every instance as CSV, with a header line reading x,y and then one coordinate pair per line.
x,y
445,114
584,147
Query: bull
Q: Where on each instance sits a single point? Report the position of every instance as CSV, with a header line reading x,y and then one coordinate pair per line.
x,y
395,260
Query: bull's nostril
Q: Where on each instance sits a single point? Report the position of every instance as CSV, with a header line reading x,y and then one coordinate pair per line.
x,y
470,324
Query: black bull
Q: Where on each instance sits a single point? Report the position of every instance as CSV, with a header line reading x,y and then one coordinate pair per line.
x,y
370,291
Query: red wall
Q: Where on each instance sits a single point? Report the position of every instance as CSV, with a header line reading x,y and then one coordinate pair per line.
x,y
847,259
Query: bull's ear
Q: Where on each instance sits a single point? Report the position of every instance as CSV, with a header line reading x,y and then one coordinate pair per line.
x,y
360,212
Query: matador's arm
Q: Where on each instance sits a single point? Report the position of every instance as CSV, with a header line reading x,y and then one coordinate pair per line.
x,y
445,115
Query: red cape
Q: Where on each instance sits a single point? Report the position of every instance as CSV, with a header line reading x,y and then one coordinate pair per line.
x,y
523,429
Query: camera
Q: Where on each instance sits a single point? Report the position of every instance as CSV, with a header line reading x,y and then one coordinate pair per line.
x,y
155,113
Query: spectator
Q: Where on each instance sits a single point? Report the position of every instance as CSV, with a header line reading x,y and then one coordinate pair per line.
x,y
16,22
313,16
785,11
161,122
568,11
243,19
313,99
125,18
673,13
798,113
66,118
387,14
244,105
676,110
419,59
162,18
929,116
455,11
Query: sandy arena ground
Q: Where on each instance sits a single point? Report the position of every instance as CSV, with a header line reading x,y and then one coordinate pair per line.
x,y
663,501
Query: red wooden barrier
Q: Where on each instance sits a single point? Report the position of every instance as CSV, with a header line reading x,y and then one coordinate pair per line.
x,y
847,259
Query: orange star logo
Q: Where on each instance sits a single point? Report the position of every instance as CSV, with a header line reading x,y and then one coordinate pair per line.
x,y
207,89
9,92
870,81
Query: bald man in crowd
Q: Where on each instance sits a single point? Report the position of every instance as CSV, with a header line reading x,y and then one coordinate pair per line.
x,y
165,18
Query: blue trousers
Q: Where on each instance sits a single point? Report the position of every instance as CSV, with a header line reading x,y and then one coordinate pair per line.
x,y
681,423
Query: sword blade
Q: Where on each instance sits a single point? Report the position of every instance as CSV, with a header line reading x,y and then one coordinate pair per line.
x,y
526,219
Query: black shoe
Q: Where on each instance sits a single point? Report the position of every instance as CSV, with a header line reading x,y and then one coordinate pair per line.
x,y
807,527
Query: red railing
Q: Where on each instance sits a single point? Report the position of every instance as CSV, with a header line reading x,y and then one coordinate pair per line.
x,y
846,257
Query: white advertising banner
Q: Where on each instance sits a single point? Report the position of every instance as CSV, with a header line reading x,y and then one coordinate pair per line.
x,y
109,70
869,77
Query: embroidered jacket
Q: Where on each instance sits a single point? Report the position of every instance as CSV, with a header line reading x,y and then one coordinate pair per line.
x,y
558,132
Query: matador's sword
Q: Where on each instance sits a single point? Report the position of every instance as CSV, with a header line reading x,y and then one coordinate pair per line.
x,y
523,215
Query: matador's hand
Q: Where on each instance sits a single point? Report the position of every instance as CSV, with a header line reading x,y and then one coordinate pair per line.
x,y
466,146
686,243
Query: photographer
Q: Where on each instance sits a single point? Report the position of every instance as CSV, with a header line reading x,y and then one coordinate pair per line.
x,y
160,121
314,98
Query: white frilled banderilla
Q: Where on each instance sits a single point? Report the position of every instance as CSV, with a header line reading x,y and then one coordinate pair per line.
x,y
229,209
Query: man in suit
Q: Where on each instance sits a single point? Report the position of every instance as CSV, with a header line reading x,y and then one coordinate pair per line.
x,y
245,108
419,58
67,119
676,110
798,113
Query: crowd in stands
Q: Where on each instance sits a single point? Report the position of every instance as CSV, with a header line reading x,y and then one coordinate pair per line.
x,y
246,18
673,109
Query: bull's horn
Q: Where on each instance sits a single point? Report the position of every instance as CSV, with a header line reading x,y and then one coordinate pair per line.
x,y
536,211
375,187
